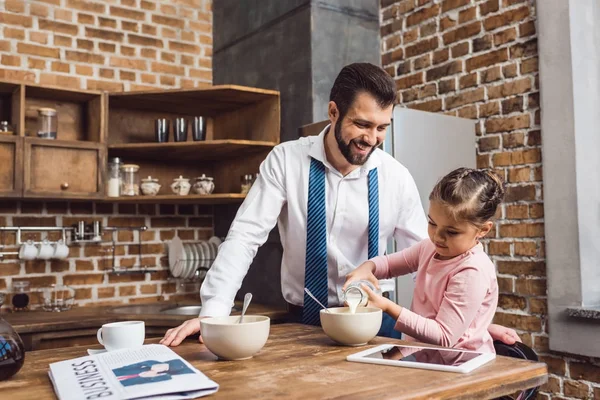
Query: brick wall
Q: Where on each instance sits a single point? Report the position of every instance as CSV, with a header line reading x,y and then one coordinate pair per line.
x,y
477,59
86,269
110,45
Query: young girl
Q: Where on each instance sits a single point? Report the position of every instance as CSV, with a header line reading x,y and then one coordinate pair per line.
x,y
456,291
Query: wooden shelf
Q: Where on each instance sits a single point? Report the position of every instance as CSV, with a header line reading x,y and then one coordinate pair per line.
x,y
216,198
190,151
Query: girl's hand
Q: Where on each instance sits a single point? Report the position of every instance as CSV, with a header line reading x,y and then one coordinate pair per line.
x,y
362,272
376,300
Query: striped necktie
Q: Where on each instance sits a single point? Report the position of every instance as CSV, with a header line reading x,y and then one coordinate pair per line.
x,y
315,279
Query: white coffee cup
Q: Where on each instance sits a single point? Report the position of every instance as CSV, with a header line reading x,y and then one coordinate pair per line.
x,y
45,250
28,251
61,250
122,335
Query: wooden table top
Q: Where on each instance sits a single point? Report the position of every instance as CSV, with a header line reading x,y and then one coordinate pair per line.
x,y
300,362
94,317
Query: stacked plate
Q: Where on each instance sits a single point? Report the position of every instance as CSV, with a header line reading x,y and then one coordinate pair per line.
x,y
187,258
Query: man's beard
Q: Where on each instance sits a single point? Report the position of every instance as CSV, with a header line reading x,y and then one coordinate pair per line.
x,y
346,149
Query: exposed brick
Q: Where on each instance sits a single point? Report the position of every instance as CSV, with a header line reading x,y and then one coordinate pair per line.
x,y
462,33
144,40
538,306
507,123
11,61
519,174
505,19
89,58
128,63
410,36
127,76
387,58
517,321
126,222
409,81
536,268
446,86
498,248
107,22
531,287
490,75
460,50
527,49
511,302
431,106
463,98
130,26
125,278
583,371
468,81
422,62
514,104
88,6
84,265
552,385
487,59
422,15
63,15
526,249
168,21
107,73
127,290
38,10
522,230
448,5
489,109
483,43
520,211
104,34
483,161
576,389
15,19
489,143
107,47
520,193
527,29
488,7
505,285
444,70
16,6
148,289
425,30
201,222
513,140
85,44
505,36
104,292
14,33
36,50
467,15
168,33
86,19
38,281
447,23
127,13
529,65
421,47
441,56
58,27
64,41
427,91
510,89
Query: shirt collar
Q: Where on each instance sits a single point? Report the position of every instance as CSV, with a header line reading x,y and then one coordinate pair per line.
x,y
317,151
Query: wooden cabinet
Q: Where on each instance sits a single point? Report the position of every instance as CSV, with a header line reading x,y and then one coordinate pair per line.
x,y
63,169
11,160
243,125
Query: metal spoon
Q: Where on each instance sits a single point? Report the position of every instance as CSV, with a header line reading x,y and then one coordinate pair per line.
x,y
247,299
315,299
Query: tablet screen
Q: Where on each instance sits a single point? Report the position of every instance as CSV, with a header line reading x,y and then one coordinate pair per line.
x,y
426,356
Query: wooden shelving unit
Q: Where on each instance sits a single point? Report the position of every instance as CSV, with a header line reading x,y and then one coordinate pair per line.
x,y
223,198
243,125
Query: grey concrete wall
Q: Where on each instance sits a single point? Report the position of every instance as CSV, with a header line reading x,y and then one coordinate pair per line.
x,y
569,92
296,47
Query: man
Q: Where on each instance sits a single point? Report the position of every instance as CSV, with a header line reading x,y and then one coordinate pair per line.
x,y
337,199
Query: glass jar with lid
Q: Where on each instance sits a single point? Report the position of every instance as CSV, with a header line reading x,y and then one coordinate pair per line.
x,y
47,123
130,180
20,295
113,176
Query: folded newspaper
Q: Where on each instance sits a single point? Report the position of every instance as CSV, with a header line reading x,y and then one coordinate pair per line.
x,y
151,372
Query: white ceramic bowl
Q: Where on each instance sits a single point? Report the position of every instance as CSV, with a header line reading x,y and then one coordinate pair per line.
x,y
351,329
232,341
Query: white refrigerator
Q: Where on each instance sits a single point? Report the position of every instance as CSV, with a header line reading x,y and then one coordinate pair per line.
x,y
430,145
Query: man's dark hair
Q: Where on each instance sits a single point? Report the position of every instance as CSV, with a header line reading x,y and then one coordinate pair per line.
x,y
362,77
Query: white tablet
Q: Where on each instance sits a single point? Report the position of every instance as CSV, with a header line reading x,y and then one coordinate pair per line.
x,y
441,359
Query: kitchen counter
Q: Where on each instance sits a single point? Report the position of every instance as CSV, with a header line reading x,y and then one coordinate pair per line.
x,y
48,330
93,317
300,362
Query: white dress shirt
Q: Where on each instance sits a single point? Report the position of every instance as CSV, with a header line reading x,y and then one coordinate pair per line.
x,y
280,196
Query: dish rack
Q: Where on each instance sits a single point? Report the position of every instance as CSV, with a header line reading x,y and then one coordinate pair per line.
x,y
192,260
